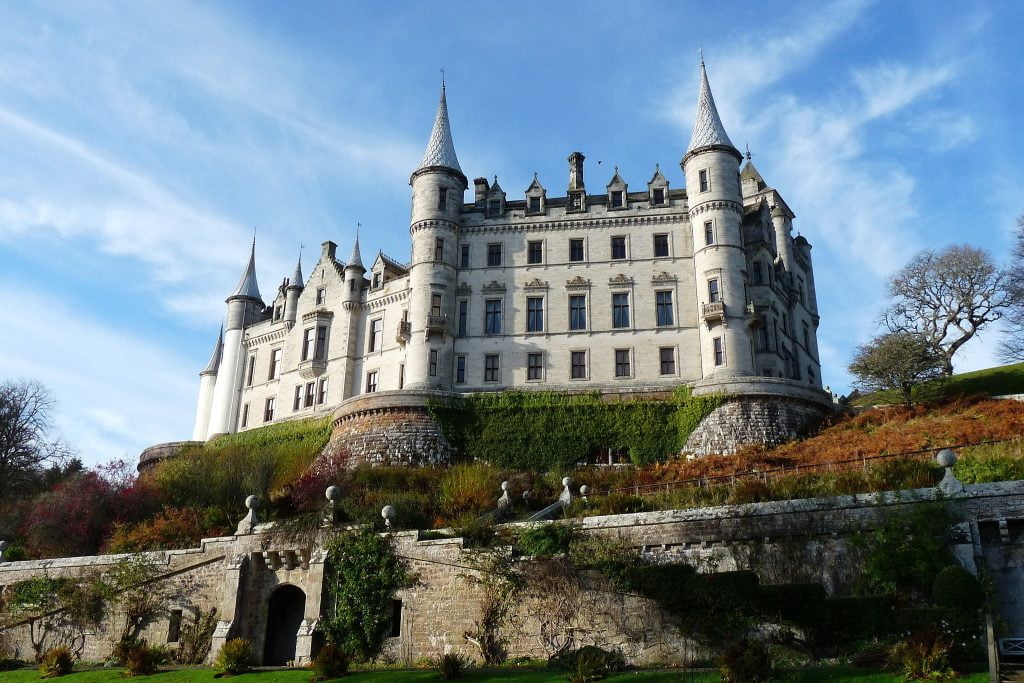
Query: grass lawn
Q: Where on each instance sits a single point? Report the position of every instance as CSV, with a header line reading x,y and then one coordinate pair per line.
x,y
835,673
1006,379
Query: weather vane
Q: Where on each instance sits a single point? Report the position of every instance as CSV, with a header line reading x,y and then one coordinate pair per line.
x,y
748,152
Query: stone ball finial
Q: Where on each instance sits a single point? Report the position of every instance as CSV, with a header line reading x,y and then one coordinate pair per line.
x,y
4,545
505,486
946,457
584,490
566,481
333,493
252,502
388,512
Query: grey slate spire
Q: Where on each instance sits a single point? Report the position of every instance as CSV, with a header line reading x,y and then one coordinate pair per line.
x,y
247,287
440,148
296,281
214,362
707,125
355,261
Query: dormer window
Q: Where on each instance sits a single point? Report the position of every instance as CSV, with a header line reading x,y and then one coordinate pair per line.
x,y
535,197
658,196
494,208
617,189
616,199
534,205
376,280
442,199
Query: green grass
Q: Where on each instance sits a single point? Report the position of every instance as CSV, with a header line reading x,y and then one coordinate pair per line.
x,y
833,673
1005,379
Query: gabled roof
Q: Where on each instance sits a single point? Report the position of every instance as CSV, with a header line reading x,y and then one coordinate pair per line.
x,y
535,186
707,124
440,147
658,176
750,172
388,263
616,180
214,363
495,187
247,286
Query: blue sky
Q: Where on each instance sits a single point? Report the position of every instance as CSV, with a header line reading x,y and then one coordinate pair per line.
x,y
143,142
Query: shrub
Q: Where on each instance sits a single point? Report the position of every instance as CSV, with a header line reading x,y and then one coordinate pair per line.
x,y
330,662
745,661
136,656
451,666
470,488
235,657
957,589
545,540
923,655
173,527
195,637
57,661
589,663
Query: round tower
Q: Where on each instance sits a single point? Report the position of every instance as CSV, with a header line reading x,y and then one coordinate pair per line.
x,y
207,384
291,301
711,166
354,271
244,307
438,187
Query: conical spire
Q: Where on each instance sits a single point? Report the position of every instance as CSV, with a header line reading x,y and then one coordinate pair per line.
x,y
247,286
355,261
440,148
707,125
296,281
214,362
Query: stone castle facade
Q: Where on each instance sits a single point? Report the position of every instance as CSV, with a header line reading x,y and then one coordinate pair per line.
x,y
619,290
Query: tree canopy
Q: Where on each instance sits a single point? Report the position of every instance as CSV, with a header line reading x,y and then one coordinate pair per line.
x,y
897,361
26,444
1011,349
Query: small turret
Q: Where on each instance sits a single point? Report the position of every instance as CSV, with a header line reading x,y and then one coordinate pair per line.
x,y
781,222
354,270
207,386
295,287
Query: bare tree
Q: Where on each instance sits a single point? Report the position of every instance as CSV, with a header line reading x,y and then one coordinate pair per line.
x,y
26,446
947,296
1011,348
898,361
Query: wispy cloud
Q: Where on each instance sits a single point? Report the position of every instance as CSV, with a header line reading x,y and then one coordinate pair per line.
x,y
889,87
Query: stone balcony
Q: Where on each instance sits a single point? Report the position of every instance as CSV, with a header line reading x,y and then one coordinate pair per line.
x,y
313,367
404,331
713,312
437,324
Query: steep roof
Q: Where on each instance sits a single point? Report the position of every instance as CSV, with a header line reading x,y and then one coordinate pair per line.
x,y
214,363
707,124
355,261
247,286
749,171
296,281
440,148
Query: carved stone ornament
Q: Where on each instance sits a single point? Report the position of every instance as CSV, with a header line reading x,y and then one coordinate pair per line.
x,y
664,276
536,283
495,286
578,282
463,288
620,280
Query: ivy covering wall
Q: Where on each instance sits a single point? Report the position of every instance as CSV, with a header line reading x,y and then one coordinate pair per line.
x,y
551,430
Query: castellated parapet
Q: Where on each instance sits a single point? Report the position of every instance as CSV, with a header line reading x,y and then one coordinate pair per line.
x,y
638,287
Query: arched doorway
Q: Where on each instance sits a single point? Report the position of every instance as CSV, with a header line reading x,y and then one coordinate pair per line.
x,y
284,616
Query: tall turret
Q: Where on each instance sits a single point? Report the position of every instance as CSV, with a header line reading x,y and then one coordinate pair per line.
x,y
782,223
438,186
207,384
711,165
291,301
244,306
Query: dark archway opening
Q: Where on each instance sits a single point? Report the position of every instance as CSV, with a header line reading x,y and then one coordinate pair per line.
x,y
284,616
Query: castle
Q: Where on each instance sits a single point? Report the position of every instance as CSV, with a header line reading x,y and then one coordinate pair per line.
x,y
617,291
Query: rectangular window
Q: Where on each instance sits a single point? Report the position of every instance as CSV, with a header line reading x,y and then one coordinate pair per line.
x,y
308,342
719,351
174,626
756,274
376,335
460,369
321,396
297,400
442,198
401,375
576,250
321,342
245,415
310,394
463,317
491,370
578,364
494,208
534,204
439,249
435,304
493,255
534,364
578,312
278,310
535,314
667,358
617,199
464,258
660,246
321,296
663,304
396,619
702,177
622,362
251,371
762,334
534,252
376,281
709,232
713,295
807,338
268,409
371,381
492,316
620,310
800,289
618,248
432,368
659,196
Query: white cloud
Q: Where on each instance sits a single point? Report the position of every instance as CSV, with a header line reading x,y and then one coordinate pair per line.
x,y
890,87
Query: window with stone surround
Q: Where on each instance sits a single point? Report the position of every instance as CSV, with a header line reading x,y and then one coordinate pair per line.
x,y
709,232
321,396
371,381
250,371
463,323
174,626
297,399
460,369
534,252
321,295
576,250
713,294
492,316
432,368
663,307
308,342
534,205
376,335
534,366
442,198
321,343
268,409
535,314
661,246
622,363
245,415
620,310
703,180
719,348
578,312
436,304
756,272
616,199
658,196
492,372
667,360
464,258
618,248
577,364
494,255
310,394
439,249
